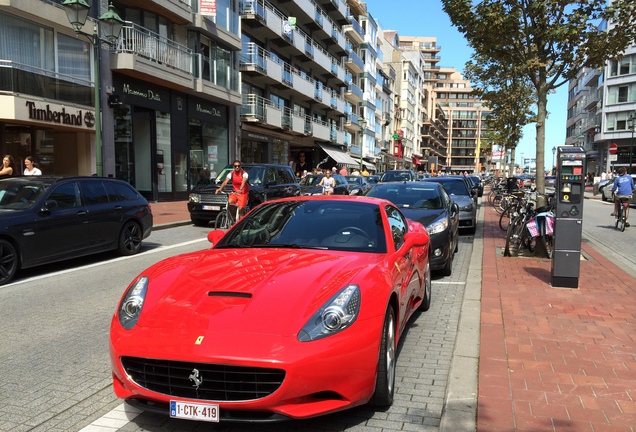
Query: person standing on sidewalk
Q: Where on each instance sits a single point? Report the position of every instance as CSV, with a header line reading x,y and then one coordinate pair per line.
x,y
623,188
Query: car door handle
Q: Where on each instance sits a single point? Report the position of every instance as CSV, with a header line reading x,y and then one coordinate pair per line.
x,y
81,213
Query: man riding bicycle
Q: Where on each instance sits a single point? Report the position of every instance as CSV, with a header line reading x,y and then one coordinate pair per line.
x,y
240,187
622,188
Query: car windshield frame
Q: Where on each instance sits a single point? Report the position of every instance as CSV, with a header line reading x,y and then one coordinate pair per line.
x,y
417,196
20,194
310,224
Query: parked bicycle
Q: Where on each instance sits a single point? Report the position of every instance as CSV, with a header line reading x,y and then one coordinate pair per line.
x,y
530,228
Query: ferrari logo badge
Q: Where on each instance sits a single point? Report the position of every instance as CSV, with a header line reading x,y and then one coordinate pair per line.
x,y
199,340
196,378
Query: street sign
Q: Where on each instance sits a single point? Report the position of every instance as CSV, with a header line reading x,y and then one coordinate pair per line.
x,y
612,158
613,148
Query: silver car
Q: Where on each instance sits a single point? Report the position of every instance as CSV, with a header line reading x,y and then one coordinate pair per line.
x,y
608,195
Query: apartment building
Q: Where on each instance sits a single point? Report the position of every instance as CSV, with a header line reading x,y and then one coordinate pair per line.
x,y
602,111
168,91
467,116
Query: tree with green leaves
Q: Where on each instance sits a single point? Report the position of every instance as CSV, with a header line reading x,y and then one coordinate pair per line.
x,y
547,41
509,97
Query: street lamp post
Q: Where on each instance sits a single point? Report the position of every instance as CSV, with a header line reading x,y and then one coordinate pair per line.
x,y
631,122
553,153
363,124
111,24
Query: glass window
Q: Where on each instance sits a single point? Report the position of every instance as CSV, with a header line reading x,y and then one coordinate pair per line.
x,y
66,196
119,191
26,43
94,192
73,57
398,226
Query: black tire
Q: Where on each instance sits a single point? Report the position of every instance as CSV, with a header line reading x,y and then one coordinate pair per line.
x,y
130,239
456,245
504,218
199,222
620,221
8,261
428,290
385,382
222,220
448,265
514,237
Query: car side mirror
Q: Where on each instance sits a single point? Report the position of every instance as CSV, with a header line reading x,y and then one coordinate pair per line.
x,y
454,208
215,236
48,206
415,239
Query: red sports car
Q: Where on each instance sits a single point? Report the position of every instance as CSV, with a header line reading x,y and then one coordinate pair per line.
x,y
295,312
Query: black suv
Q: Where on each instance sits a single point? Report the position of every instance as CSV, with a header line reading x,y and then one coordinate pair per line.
x,y
267,181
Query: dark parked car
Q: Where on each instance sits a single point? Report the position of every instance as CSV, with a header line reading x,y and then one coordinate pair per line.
x,y
373,179
429,204
309,185
47,219
477,184
398,175
267,181
460,193
358,185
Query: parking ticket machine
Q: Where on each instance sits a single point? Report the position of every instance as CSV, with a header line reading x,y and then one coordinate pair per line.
x,y
568,224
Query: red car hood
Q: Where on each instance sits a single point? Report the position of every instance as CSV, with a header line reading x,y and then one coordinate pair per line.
x,y
246,290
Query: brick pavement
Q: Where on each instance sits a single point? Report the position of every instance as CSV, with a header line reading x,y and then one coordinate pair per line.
x,y
554,358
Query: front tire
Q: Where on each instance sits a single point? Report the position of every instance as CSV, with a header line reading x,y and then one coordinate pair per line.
x,y
222,220
130,239
385,381
428,290
8,261
448,265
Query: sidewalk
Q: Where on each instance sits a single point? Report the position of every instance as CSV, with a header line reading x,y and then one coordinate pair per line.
x,y
554,358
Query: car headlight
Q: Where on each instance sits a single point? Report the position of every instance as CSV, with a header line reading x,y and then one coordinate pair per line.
x,y
131,304
467,207
195,198
438,226
338,313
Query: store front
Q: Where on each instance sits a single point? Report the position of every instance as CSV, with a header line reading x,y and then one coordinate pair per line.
x,y
166,143
58,137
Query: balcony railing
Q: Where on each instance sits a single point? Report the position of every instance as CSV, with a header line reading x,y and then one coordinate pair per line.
x,y
253,55
356,26
138,40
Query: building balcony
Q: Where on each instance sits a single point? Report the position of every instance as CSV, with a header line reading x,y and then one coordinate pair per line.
x,y
354,63
354,30
351,123
353,94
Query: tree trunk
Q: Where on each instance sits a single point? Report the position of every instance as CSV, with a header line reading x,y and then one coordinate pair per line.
x,y
542,106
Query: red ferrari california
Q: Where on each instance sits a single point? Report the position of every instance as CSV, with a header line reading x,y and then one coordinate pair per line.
x,y
295,312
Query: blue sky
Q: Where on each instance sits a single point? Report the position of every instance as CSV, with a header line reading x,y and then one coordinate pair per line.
x,y
427,18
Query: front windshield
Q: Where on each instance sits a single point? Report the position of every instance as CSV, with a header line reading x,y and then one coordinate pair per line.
x,y
410,196
455,187
311,180
314,224
18,194
255,174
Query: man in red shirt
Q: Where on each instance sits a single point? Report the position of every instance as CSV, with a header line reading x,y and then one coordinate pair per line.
x,y
240,187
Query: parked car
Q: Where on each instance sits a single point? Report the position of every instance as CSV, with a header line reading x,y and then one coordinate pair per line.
x,y
270,322
267,181
528,180
602,184
358,185
460,193
429,204
48,219
550,181
477,184
373,179
398,175
608,195
309,184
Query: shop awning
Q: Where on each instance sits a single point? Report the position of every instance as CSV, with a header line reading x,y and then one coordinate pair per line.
x,y
369,165
339,155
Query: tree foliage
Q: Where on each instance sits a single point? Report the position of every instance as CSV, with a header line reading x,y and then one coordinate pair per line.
x,y
545,41
510,98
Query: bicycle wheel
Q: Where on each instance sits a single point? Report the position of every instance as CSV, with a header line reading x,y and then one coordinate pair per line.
x,y
504,218
514,236
546,240
223,220
620,222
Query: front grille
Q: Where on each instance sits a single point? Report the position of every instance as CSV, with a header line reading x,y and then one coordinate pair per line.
x,y
213,199
217,382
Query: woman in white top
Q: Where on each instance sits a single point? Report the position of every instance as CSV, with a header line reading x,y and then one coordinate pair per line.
x,y
30,168
327,183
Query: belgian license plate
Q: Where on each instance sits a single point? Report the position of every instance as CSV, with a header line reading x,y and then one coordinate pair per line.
x,y
194,411
213,208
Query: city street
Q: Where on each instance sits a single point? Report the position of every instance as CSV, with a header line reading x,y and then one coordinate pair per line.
x,y
54,347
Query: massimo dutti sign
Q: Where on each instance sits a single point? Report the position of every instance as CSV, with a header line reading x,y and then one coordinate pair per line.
x,y
59,114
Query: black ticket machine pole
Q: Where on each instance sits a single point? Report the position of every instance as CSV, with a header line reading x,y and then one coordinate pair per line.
x,y
568,226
